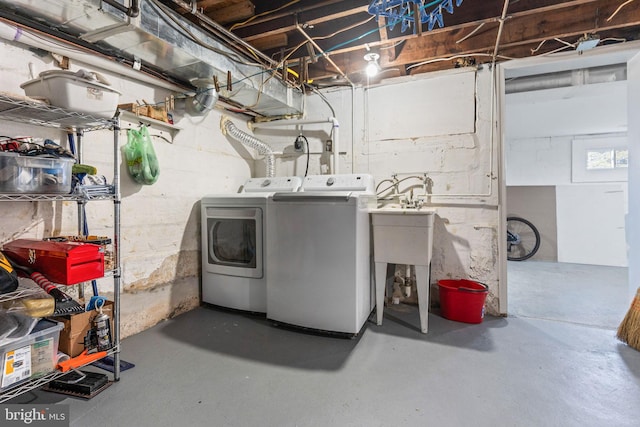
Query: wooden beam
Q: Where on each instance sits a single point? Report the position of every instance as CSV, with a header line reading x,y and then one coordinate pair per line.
x,y
287,22
231,13
272,41
313,9
471,25
566,24
386,55
524,29
206,4
521,28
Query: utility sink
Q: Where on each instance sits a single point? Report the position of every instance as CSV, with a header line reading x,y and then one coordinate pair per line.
x,y
403,236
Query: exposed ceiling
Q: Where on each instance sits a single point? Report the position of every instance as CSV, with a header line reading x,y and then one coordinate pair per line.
x,y
478,31
242,47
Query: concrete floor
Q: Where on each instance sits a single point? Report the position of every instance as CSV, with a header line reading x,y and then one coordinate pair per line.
x,y
586,294
220,368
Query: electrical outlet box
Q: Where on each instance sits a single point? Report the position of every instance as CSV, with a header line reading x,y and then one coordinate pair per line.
x,y
328,145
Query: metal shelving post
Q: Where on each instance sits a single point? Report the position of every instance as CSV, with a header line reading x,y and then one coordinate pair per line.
x,y
116,247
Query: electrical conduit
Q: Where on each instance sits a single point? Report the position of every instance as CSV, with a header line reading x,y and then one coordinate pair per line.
x,y
229,128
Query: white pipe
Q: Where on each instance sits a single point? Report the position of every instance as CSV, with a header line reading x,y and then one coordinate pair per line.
x,y
353,128
277,123
13,33
335,127
336,144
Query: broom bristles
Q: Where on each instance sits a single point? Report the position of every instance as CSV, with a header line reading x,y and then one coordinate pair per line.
x,y
629,329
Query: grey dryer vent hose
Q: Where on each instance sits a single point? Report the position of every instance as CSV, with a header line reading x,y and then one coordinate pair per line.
x,y
250,141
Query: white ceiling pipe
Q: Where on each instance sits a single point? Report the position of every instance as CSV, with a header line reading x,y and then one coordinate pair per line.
x,y
336,134
13,33
279,123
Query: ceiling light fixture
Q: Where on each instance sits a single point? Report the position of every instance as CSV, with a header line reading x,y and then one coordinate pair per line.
x,y
372,64
588,41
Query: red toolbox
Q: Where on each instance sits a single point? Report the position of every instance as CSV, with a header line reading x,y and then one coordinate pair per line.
x,y
65,263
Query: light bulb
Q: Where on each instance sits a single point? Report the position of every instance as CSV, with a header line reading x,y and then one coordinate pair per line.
x,y
372,69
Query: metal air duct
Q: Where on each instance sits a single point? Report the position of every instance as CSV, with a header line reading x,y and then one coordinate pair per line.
x,y
165,41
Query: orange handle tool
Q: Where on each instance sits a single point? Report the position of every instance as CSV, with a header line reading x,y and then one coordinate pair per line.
x,y
80,360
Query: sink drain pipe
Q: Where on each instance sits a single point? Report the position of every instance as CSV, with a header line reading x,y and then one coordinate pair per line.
x,y
229,128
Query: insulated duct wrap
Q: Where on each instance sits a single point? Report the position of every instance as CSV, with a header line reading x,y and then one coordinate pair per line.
x,y
250,141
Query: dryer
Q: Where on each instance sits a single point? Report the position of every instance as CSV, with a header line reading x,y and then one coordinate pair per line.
x,y
319,258
234,243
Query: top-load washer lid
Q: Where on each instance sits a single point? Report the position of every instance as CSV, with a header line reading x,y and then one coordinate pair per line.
x,y
270,185
361,183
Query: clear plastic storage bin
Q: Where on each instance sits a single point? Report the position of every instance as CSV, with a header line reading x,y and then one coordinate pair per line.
x,y
37,174
30,357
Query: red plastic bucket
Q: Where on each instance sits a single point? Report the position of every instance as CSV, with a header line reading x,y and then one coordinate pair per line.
x,y
462,300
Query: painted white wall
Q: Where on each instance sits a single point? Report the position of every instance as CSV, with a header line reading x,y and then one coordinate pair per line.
x,y
540,129
160,239
633,218
590,226
459,161
538,161
576,110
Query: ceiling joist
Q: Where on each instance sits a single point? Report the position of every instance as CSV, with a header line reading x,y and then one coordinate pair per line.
x,y
345,31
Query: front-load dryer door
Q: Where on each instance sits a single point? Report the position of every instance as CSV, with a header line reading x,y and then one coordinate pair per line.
x,y
234,241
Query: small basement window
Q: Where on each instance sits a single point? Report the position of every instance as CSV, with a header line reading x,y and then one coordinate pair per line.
x,y
600,159
607,158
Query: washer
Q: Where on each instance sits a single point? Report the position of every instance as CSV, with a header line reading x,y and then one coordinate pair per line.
x,y
234,244
319,258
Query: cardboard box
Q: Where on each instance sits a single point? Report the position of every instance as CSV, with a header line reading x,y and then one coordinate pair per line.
x,y
137,109
156,112
75,329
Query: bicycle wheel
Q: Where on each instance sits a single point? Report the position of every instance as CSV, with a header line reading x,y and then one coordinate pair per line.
x,y
523,239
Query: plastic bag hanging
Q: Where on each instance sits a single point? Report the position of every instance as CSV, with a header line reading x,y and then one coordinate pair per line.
x,y
142,162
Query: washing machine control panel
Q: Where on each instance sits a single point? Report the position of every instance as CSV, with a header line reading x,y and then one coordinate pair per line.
x,y
361,183
273,184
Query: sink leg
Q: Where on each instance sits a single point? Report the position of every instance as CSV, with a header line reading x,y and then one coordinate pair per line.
x,y
422,285
381,284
